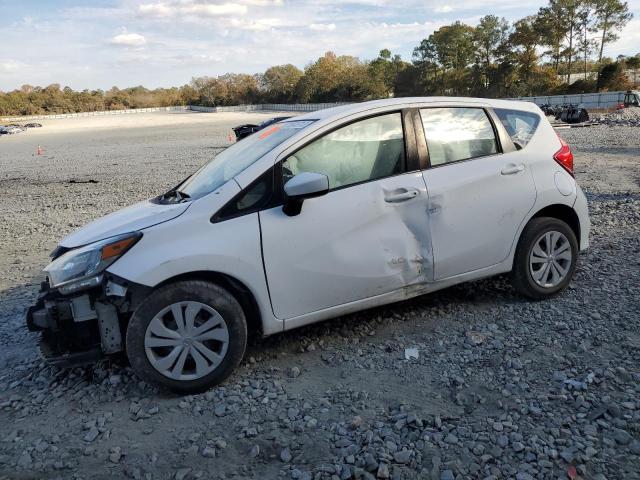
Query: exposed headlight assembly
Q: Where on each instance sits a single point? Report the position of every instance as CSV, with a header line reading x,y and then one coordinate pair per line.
x,y
81,268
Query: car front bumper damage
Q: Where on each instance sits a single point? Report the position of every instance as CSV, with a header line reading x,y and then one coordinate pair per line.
x,y
80,328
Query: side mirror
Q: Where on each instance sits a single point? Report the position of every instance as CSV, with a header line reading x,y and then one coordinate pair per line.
x,y
302,186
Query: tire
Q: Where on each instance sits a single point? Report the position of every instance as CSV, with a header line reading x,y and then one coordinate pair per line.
x,y
525,265
185,297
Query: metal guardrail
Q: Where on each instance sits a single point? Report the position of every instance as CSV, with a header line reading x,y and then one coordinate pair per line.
x,y
262,107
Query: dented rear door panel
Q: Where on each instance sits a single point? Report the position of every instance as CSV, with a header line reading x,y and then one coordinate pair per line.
x,y
476,212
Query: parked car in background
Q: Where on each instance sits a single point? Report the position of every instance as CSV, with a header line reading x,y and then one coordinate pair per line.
x,y
10,129
321,215
247,129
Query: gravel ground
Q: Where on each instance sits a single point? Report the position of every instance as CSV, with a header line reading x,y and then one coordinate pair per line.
x,y
629,116
502,388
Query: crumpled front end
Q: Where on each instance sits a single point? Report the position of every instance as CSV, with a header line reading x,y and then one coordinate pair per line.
x,y
80,328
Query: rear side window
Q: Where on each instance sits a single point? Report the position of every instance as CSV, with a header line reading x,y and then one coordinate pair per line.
x,y
519,125
456,133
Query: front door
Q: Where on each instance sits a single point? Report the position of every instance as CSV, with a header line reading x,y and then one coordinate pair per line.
x,y
478,195
368,236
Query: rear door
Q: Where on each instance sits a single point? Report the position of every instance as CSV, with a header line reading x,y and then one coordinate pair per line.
x,y
367,236
480,189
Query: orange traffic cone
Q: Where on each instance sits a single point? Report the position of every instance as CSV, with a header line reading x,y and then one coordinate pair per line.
x,y
39,151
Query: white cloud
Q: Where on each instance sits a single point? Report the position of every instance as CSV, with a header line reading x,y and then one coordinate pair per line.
x,y
263,3
260,24
628,42
191,8
10,66
323,27
178,39
129,40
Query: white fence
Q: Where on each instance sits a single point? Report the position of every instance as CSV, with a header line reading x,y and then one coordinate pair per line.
x,y
588,100
264,107
93,114
269,107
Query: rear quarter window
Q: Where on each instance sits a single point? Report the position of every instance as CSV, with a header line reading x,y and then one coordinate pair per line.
x,y
457,133
519,125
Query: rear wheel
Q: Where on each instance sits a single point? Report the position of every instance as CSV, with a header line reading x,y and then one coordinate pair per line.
x,y
546,258
187,336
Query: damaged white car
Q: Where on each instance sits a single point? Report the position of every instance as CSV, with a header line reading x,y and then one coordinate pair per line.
x,y
320,215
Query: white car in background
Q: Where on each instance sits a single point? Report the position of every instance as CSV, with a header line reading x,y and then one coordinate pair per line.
x,y
314,217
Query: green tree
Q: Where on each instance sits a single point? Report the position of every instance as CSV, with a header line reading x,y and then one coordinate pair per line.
x,y
551,28
383,72
425,61
633,62
448,51
612,77
455,49
586,23
562,15
488,36
611,17
335,78
408,82
279,83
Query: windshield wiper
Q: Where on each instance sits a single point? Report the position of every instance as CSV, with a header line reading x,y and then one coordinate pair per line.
x,y
177,194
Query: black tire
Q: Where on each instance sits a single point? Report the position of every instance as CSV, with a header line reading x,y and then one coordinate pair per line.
x,y
521,276
191,290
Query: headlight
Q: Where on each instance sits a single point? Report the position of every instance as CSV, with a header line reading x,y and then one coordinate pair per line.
x,y
89,261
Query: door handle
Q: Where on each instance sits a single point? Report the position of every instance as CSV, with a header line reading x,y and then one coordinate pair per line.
x,y
402,197
512,168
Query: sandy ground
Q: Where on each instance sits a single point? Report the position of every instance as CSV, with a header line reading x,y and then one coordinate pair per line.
x,y
503,388
145,120
89,167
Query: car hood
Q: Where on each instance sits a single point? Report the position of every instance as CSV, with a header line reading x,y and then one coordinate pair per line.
x,y
129,219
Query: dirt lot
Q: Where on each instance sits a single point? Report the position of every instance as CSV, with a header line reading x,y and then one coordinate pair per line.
x,y
503,388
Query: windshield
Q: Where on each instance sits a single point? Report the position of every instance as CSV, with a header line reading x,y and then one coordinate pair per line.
x,y
230,162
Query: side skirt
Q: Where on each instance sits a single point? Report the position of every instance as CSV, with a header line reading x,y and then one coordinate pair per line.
x,y
399,295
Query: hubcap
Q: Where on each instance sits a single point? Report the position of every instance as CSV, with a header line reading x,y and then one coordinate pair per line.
x,y
186,340
550,259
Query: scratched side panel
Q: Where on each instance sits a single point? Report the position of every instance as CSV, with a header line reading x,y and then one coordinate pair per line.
x,y
348,245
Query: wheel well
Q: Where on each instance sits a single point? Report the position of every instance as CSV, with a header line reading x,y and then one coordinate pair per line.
x,y
564,213
238,289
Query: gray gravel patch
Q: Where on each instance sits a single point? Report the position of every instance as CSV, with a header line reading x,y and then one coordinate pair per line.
x,y
502,387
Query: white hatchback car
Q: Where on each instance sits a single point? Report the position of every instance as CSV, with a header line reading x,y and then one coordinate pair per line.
x,y
314,217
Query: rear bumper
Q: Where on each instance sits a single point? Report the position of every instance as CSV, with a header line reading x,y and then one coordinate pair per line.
x,y
581,208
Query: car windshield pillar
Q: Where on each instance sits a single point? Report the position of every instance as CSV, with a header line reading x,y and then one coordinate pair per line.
x,y
239,156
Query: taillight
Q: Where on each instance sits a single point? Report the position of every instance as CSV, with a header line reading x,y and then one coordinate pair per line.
x,y
564,156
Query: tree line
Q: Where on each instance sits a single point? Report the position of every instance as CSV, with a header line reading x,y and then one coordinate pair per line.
x,y
538,54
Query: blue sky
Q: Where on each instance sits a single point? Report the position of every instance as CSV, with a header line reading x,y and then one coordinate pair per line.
x,y
99,44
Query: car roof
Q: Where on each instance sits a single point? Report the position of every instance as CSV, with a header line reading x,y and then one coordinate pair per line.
x,y
321,121
406,102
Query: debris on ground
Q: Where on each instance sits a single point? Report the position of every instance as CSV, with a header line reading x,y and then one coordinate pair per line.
x,y
625,117
504,388
411,353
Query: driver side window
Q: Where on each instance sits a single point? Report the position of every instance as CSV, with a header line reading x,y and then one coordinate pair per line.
x,y
361,151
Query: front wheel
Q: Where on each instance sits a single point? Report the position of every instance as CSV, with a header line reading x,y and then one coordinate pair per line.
x,y
546,258
187,336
